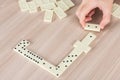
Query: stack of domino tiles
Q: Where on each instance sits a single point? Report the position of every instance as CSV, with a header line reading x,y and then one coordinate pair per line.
x,y
49,6
116,10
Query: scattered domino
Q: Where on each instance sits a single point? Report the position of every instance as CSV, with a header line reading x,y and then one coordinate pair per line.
x,y
62,5
115,6
23,5
33,6
48,16
69,3
116,11
48,6
79,48
92,27
38,3
59,12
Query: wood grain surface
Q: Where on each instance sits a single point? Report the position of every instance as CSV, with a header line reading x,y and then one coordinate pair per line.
x,y
53,41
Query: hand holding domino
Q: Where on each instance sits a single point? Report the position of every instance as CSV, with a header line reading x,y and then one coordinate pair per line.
x,y
87,9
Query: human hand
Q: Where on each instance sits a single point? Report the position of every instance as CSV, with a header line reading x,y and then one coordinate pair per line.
x,y
87,9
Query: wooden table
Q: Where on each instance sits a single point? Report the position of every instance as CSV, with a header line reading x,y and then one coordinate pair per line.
x,y
53,41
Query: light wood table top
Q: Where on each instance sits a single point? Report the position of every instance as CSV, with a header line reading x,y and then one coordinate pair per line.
x,y
53,41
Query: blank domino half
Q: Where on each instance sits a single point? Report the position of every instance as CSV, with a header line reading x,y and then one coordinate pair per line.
x,y
59,12
69,3
32,7
92,27
115,6
79,48
48,16
23,5
48,6
62,5
116,11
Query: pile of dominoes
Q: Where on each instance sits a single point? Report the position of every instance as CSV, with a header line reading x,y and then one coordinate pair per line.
x,y
49,6
58,7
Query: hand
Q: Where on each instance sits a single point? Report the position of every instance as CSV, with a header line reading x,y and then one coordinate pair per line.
x,y
87,9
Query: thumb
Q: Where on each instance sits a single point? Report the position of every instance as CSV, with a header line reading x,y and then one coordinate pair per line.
x,y
105,20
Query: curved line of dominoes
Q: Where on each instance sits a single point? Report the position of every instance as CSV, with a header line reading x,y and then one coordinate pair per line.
x,y
79,48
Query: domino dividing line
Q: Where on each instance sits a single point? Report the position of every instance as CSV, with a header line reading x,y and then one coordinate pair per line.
x,y
79,48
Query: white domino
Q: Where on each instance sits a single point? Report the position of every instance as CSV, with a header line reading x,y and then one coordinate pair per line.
x,y
32,7
115,6
48,16
116,10
79,48
45,1
38,2
60,13
53,1
92,27
48,6
21,48
62,5
58,6
69,3
23,5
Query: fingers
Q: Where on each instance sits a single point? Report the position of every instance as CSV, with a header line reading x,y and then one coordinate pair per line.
x,y
91,13
84,13
105,21
106,18
88,19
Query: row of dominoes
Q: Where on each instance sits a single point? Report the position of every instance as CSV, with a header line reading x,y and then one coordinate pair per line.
x,y
79,48
49,6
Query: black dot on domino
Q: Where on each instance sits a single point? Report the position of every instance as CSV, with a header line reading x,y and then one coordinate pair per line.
x,y
57,74
90,36
88,25
70,60
95,26
58,66
75,55
67,61
50,67
63,61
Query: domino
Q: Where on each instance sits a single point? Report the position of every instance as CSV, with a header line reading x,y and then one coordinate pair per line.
x,y
48,16
62,5
115,6
60,13
32,7
33,57
48,6
45,1
23,5
116,13
38,2
92,27
79,48
53,1
69,3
